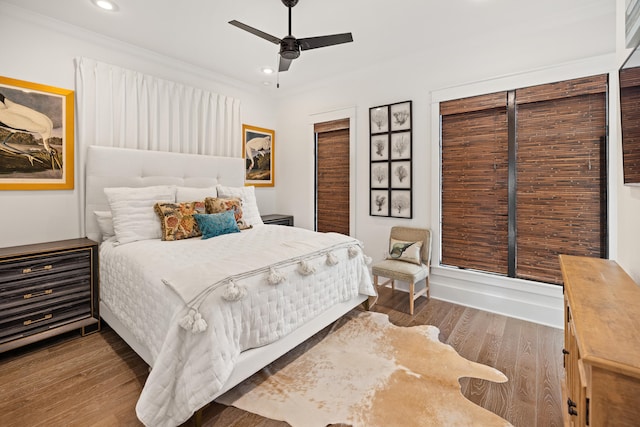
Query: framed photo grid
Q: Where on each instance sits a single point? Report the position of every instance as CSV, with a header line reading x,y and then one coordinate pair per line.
x,y
390,154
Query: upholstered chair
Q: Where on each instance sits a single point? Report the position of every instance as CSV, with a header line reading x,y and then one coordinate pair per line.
x,y
408,260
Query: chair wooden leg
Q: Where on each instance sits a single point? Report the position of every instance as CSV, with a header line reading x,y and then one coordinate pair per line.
x,y
411,291
393,285
375,281
426,283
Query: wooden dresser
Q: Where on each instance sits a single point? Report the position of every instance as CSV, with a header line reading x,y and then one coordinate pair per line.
x,y
47,289
602,343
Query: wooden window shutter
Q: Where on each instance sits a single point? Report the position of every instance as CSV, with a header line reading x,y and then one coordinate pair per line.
x,y
474,183
332,180
630,111
561,175
524,178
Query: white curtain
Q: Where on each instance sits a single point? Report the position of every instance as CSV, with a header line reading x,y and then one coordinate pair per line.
x,y
123,108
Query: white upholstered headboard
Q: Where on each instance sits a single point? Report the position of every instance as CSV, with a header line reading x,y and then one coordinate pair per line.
x,y
124,167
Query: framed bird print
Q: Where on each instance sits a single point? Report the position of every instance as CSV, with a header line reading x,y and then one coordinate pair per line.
x,y
258,151
36,136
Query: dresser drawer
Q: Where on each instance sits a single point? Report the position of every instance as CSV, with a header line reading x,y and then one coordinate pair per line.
x,y
43,267
19,323
32,290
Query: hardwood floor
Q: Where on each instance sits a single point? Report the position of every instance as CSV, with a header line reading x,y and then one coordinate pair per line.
x,y
96,380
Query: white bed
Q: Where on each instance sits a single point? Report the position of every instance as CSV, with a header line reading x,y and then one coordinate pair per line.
x,y
114,167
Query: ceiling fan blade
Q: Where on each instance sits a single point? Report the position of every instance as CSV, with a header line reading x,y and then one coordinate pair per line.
x,y
284,64
256,32
322,41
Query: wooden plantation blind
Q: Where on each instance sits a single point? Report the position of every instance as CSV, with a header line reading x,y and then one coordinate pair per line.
x,y
630,112
524,178
332,176
474,183
561,175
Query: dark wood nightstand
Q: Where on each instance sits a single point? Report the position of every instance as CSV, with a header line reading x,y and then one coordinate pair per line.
x,y
278,219
48,289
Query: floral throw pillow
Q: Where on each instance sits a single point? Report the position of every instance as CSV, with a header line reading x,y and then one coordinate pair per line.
x,y
219,204
251,214
177,220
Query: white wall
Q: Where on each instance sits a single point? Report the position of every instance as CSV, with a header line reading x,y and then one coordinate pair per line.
x,y
41,50
478,67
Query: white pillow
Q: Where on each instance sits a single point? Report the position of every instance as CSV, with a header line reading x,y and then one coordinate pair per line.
x,y
194,194
132,209
105,224
250,212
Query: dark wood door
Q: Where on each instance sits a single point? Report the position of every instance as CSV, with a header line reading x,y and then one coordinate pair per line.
x,y
332,176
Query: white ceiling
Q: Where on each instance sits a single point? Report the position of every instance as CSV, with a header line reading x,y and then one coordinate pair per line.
x,y
197,31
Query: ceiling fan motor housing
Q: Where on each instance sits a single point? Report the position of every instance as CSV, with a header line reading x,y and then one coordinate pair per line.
x,y
289,47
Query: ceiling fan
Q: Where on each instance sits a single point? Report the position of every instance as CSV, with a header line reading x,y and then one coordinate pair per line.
x,y
290,47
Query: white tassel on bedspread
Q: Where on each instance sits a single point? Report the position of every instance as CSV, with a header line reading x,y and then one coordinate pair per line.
x,y
275,277
234,292
199,325
305,268
332,259
193,322
353,251
187,321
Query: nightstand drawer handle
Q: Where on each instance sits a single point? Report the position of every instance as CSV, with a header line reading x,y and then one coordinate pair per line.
x,y
29,322
38,294
30,270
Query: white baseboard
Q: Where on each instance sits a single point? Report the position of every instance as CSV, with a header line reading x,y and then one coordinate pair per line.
x,y
523,299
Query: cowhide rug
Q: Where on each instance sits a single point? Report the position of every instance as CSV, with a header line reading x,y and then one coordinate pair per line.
x,y
368,372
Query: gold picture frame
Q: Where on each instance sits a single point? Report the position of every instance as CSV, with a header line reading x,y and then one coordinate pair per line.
x,y
36,136
258,150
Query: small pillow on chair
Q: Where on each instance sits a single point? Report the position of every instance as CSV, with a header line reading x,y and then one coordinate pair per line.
x,y
401,250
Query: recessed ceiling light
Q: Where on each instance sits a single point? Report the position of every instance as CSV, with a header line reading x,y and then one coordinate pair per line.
x,y
267,70
106,5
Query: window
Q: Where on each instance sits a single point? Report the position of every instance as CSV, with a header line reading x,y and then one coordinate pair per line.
x,y
524,178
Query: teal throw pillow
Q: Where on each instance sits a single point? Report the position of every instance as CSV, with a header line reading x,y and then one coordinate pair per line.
x,y
212,225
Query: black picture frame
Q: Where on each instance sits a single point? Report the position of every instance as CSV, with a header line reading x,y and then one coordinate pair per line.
x,y
391,160
380,147
380,177
379,119
400,116
400,203
379,202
